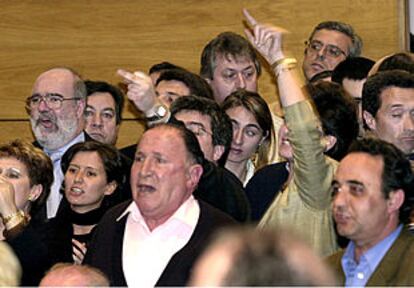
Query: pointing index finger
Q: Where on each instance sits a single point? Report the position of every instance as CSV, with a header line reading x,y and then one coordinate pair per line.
x,y
250,19
128,76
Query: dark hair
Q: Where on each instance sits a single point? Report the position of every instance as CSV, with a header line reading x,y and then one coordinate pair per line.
x,y
320,76
258,107
398,61
112,163
38,164
159,67
197,85
338,115
355,68
356,47
396,174
190,140
226,44
377,83
221,126
115,92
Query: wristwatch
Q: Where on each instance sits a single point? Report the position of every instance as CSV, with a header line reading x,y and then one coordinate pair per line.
x,y
160,112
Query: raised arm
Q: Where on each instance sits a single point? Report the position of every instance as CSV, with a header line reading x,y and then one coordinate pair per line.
x,y
267,39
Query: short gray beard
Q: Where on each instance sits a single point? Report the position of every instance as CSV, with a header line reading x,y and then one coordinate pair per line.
x,y
66,131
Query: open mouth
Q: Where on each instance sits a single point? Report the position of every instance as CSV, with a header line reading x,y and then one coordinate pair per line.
x,y
75,191
142,188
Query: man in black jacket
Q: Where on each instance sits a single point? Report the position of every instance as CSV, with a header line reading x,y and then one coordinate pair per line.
x,y
155,239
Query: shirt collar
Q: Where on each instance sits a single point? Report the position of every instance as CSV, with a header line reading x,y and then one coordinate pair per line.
x,y
186,213
374,255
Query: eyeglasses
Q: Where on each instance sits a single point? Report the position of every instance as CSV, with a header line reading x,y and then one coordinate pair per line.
x,y
331,51
52,100
197,129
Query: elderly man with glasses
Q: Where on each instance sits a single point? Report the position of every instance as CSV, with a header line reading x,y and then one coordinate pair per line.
x,y
56,109
330,43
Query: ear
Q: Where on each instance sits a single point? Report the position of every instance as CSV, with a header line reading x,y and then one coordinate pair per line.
x,y
218,151
81,104
194,172
395,200
329,141
369,120
35,192
110,188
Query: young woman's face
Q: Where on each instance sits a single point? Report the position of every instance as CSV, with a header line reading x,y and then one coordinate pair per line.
x,y
86,182
247,134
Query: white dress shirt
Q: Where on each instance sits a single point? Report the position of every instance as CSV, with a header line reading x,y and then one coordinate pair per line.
x,y
145,253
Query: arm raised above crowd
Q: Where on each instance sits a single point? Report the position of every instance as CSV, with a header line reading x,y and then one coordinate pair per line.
x,y
267,40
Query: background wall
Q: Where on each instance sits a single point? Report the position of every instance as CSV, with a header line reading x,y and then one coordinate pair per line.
x,y
95,37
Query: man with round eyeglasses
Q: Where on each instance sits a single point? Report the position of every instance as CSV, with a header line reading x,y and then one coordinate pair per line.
x,y
56,108
330,43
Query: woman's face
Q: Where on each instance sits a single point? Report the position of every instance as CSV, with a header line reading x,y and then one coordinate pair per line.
x,y
15,172
247,134
85,182
285,149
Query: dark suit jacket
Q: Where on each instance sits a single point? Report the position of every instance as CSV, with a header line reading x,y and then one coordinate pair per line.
x,y
395,269
105,250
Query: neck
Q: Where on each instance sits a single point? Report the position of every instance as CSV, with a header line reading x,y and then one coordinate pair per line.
x,y
363,245
237,168
82,229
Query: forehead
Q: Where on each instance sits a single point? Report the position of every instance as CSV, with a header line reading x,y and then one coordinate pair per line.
x,y
87,158
360,167
194,116
333,37
9,161
237,63
55,80
162,140
241,114
397,97
101,100
175,86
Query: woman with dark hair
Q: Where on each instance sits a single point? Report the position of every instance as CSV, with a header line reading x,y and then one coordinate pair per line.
x,y
93,179
252,133
26,174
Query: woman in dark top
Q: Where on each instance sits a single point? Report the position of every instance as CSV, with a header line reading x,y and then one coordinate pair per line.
x,y
93,179
26,174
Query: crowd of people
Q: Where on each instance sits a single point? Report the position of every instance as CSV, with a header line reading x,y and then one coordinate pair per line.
x,y
219,190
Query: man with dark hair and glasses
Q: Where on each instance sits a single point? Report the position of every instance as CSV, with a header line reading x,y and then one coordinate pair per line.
x,y
329,43
56,109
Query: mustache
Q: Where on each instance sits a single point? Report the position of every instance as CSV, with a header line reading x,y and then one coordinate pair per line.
x,y
46,116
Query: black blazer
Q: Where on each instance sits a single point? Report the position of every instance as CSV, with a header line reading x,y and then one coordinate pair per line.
x,y
105,250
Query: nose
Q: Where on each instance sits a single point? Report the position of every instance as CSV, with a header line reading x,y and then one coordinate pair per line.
x,y
97,121
241,82
321,53
409,123
238,136
145,168
78,177
339,199
42,105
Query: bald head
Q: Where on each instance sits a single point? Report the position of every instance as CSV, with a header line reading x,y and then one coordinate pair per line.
x,y
74,275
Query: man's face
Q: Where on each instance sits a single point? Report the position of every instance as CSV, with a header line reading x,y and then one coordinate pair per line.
x,y
100,116
54,128
168,91
200,125
394,121
162,176
328,42
231,74
360,209
354,88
